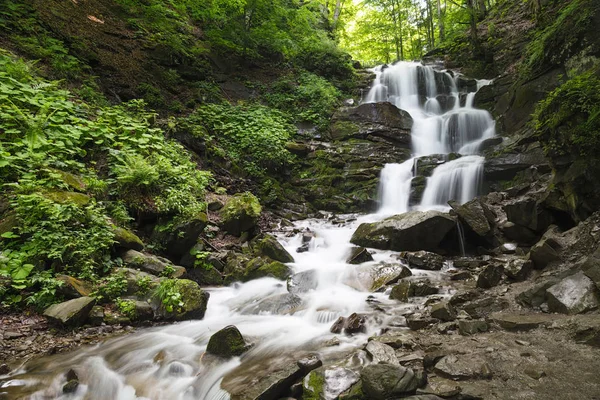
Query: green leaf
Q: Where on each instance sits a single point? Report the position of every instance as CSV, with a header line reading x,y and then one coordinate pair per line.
x,y
9,235
21,272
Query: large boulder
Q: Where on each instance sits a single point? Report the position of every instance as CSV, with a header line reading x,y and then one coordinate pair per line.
x,y
240,267
359,255
227,343
127,239
279,304
268,246
544,252
462,367
385,381
70,313
490,276
179,238
303,282
412,288
529,213
383,120
411,231
423,260
573,295
240,213
150,264
375,277
475,215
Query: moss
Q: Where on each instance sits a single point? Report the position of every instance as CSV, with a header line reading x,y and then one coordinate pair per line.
x,y
64,197
226,343
261,267
314,385
194,300
343,130
73,181
128,239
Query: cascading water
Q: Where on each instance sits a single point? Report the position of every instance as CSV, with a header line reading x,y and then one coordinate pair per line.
x,y
170,362
441,126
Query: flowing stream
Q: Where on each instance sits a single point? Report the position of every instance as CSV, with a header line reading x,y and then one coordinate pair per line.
x,y
169,362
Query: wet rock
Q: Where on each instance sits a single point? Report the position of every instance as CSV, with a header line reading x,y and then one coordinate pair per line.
x,y
194,301
73,287
302,282
261,267
423,260
279,304
443,311
127,239
70,313
462,367
149,263
355,323
204,275
544,252
382,120
359,255
268,246
475,215
460,275
490,276
381,353
227,343
406,289
411,231
521,322
573,295
518,269
343,382
70,387
4,369
471,327
384,381
240,213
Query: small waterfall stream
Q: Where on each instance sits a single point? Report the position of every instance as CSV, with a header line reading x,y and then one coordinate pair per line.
x,y
169,362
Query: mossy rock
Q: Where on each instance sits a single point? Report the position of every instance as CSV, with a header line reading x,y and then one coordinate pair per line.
x,y
268,246
64,197
343,130
313,386
241,213
75,182
178,239
205,275
194,301
127,239
262,267
73,287
227,343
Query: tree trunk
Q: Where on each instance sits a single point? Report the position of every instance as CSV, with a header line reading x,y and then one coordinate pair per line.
x,y
441,21
337,12
473,20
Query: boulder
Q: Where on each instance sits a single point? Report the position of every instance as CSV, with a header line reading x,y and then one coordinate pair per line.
x,y
443,311
423,260
475,215
194,301
383,120
411,231
381,353
302,282
127,239
535,296
149,263
417,322
204,275
521,234
521,322
376,277
73,287
490,276
179,239
471,327
134,277
268,246
529,213
462,367
573,295
240,213
518,269
359,255
544,252
227,343
406,288
70,313
264,267
385,381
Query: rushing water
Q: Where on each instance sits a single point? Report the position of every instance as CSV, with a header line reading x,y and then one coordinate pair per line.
x,y
169,362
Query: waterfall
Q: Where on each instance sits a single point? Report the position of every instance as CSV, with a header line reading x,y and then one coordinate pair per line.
x,y
441,126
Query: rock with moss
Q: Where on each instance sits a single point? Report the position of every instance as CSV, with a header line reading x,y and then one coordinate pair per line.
x,y
127,239
75,182
204,275
70,313
227,343
138,282
261,267
268,246
193,301
151,264
179,238
65,197
72,287
240,213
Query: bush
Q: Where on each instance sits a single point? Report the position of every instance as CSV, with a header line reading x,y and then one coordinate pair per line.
x,y
253,136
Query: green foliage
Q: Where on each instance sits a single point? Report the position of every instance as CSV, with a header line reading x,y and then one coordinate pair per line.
x,y
111,287
252,136
555,43
168,271
200,259
126,308
143,285
307,97
169,296
568,120
241,204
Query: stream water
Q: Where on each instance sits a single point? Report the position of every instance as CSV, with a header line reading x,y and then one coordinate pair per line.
x,y
168,362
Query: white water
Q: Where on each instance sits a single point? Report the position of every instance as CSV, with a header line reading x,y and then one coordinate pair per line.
x,y
438,129
169,362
